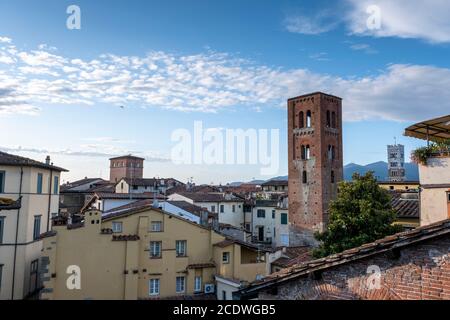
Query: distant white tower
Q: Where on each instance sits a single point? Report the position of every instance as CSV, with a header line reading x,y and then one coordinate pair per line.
x,y
396,162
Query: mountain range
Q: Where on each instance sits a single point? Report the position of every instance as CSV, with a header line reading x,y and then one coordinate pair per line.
x,y
379,168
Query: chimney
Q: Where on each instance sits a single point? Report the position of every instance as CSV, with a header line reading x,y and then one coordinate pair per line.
x,y
47,160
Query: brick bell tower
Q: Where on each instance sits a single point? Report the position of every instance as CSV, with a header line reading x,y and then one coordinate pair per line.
x,y
315,162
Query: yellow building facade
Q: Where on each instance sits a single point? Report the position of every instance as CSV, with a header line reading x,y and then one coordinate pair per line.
x,y
142,254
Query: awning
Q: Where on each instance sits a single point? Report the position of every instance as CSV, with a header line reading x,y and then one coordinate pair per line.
x,y
437,129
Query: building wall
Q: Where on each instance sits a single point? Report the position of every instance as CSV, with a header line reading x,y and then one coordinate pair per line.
x,y
27,249
435,183
126,167
308,202
122,269
420,272
281,230
268,222
399,186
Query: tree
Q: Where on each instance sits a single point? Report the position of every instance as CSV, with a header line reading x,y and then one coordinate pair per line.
x,y
361,214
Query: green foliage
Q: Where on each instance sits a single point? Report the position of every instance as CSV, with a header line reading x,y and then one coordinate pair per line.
x,y
421,155
361,214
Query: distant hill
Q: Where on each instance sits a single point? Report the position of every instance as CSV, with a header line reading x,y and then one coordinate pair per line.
x,y
379,168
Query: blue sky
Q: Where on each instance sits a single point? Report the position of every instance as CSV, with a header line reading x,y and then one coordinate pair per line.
x,y
231,64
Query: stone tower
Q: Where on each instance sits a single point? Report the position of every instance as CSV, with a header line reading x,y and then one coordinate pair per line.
x,y
396,162
126,167
315,162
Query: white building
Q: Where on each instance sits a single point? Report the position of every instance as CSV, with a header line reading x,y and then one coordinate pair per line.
x,y
229,208
37,185
396,162
143,185
263,221
434,173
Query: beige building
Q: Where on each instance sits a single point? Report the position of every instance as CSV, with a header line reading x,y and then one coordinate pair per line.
x,y
33,187
142,253
399,185
434,174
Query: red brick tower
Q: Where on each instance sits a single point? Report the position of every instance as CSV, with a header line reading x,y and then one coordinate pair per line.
x,y
126,167
315,162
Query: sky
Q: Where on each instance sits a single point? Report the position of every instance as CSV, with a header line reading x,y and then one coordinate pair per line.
x,y
138,71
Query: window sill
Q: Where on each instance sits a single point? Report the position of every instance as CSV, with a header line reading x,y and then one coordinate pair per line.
x,y
155,258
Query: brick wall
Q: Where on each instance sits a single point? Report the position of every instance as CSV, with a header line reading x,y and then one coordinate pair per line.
x,y
418,272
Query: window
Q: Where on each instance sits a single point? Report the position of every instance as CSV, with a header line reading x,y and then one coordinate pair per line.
x,y
233,208
198,284
226,257
308,119
117,227
222,208
55,185
224,295
284,218
333,119
213,208
273,214
2,181
307,152
305,177
328,118
156,226
303,152
180,246
36,227
284,239
2,227
301,122
180,284
332,176
155,249
261,213
153,287
39,183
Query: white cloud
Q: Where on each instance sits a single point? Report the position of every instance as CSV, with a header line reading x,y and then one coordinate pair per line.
x,y
321,22
422,19
213,82
5,40
321,56
366,48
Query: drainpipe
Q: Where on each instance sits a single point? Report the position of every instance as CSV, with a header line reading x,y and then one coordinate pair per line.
x,y
17,235
49,200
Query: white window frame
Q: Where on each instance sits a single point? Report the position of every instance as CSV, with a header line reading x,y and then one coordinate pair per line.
x,y
114,227
154,224
154,245
154,290
181,244
198,284
227,255
183,284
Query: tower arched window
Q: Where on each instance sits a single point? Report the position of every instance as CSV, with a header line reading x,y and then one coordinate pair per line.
x,y
301,120
303,152
328,118
333,119
333,152
308,119
307,152
332,176
304,177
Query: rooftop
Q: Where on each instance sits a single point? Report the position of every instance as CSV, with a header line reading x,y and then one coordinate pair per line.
x,y
127,156
394,242
7,159
314,94
209,197
275,183
405,204
437,129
